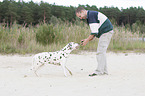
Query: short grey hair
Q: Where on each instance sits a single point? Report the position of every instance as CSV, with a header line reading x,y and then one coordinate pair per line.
x,y
79,9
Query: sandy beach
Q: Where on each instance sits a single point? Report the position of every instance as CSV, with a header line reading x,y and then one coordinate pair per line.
x,y
126,76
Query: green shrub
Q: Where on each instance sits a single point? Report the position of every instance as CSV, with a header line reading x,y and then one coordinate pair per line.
x,y
45,34
1,34
21,39
142,30
4,36
54,20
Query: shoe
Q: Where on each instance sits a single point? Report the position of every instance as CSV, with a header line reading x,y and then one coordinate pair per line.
x,y
94,74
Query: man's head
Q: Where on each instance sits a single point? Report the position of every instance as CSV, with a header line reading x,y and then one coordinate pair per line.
x,y
81,13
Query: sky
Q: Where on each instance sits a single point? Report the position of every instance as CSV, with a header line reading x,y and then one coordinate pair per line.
x,y
98,3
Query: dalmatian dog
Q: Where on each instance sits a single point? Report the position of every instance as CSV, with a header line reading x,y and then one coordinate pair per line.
x,y
57,58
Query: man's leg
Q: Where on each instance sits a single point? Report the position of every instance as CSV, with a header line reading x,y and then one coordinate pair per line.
x,y
103,44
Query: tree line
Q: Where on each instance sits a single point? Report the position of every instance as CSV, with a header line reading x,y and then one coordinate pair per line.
x,y
35,13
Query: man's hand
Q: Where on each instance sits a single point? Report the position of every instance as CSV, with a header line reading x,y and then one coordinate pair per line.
x,y
82,42
85,41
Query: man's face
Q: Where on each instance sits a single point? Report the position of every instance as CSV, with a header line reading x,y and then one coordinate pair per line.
x,y
81,15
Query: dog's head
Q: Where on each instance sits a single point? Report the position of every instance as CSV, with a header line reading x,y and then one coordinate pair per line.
x,y
73,45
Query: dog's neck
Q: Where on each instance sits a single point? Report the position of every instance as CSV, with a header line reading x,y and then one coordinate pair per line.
x,y
66,50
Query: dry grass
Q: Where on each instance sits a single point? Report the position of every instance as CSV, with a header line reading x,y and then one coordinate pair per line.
x,y
18,39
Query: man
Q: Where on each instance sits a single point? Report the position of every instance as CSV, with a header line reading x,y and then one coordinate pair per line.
x,y
101,28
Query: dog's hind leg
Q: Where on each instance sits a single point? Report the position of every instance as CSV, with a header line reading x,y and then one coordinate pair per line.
x,y
64,67
35,71
35,66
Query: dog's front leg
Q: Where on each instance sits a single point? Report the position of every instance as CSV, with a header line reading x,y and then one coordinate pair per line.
x,y
69,71
63,66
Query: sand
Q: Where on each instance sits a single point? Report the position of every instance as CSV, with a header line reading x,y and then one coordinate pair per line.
x,y
126,76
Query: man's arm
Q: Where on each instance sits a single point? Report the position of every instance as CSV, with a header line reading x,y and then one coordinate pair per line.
x,y
91,37
85,41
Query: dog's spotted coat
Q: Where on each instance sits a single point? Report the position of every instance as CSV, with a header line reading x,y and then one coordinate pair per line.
x,y
56,58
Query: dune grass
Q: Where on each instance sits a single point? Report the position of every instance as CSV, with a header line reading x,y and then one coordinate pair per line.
x,y
23,40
